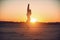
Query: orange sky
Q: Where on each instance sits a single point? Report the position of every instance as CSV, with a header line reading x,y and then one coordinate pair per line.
x,y
42,10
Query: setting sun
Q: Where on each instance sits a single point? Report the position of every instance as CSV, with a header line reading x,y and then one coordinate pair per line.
x,y
33,20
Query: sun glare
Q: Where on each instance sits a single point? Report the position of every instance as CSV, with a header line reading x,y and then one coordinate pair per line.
x,y
33,20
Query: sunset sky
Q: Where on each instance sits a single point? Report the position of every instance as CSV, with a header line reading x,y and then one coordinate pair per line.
x,y
42,10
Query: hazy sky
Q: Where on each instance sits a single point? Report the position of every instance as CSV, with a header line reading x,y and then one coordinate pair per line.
x,y
42,10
